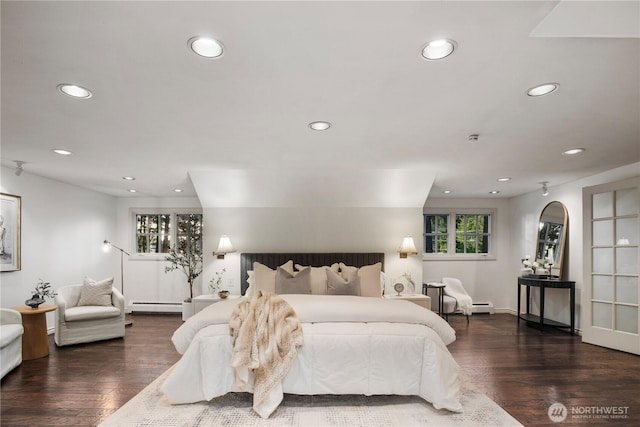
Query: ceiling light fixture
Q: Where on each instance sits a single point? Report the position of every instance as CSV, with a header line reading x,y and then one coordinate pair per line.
x,y
573,151
74,91
543,89
129,178
446,192
504,179
319,125
62,151
545,190
206,46
19,169
438,49
494,192
474,137
131,190
178,190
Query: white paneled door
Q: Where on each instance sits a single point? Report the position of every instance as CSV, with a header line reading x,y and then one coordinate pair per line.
x,y
610,303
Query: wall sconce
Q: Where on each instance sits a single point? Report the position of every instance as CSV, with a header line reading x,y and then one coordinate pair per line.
x,y
224,247
545,190
408,247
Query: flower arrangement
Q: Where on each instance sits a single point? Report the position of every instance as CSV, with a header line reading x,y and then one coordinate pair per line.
x,y
42,290
216,283
409,279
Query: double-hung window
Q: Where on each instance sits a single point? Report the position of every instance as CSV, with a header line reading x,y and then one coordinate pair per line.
x,y
155,232
459,234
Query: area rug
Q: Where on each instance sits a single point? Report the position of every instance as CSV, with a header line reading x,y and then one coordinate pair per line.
x,y
151,408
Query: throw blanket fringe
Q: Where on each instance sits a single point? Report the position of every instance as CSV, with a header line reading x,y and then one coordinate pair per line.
x,y
266,338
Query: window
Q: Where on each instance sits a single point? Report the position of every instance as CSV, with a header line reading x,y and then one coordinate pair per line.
x,y
459,234
155,233
472,234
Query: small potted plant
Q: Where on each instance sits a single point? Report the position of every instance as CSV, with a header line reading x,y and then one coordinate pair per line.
x,y
215,284
43,290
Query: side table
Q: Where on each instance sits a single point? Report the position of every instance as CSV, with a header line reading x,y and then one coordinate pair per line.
x,y
440,287
419,299
35,342
202,301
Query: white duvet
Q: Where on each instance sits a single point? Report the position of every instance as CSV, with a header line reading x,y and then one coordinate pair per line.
x,y
352,345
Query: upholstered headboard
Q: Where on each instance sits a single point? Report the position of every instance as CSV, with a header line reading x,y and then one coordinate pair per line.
x,y
273,260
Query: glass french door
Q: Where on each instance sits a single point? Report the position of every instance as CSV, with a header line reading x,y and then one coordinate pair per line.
x,y
610,303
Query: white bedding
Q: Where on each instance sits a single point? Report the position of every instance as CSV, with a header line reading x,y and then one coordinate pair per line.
x,y
352,345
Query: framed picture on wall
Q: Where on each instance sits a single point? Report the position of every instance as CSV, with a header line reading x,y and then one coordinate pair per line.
x,y
10,217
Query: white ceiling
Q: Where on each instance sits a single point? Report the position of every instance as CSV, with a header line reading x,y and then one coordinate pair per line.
x,y
237,126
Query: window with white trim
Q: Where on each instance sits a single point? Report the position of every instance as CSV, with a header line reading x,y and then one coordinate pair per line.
x,y
459,234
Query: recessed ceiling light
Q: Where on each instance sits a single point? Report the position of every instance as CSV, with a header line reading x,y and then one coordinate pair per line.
x,y
129,178
447,192
543,89
572,151
178,190
494,192
438,49
206,46
504,179
131,190
62,151
320,125
75,91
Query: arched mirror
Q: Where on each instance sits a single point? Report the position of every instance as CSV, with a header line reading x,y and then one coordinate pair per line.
x,y
552,235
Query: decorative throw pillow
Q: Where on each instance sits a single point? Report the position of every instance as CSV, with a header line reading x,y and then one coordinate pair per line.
x,y
337,285
347,270
264,278
370,284
96,293
287,283
319,277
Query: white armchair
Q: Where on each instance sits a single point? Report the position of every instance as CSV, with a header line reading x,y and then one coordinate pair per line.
x,y
11,331
86,323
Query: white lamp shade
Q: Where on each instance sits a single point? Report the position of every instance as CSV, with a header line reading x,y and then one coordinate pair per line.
x,y
225,246
407,247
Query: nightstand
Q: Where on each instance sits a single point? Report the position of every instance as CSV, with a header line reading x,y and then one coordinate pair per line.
x,y
203,301
421,300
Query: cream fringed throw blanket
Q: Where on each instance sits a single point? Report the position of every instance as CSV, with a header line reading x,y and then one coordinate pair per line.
x,y
266,338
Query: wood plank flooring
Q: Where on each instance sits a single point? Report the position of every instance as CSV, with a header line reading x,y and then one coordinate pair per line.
x,y
522,369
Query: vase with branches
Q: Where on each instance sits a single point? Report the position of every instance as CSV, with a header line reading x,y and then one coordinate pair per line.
x,y
188,261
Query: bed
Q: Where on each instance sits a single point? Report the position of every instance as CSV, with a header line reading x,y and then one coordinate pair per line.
x,y
352,344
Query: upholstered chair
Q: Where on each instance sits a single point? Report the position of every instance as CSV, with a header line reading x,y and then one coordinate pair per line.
x,y
456,299
89,312
11,331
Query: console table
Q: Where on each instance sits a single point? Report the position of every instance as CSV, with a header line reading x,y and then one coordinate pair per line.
x,y
544,283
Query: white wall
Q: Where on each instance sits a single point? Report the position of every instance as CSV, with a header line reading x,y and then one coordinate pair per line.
x,y
63,227
311,230
485,280
525,212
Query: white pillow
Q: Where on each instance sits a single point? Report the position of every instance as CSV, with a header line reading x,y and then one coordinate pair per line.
x,y
96,293
249,291
371,284
319,277
370,280
265,278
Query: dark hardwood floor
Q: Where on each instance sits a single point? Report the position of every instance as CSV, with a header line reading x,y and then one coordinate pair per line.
x,y
521,368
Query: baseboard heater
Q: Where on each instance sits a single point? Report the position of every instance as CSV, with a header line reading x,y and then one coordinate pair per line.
x,y
482,307
156,307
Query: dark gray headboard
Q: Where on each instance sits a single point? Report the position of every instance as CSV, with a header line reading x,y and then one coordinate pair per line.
x,y
273,260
